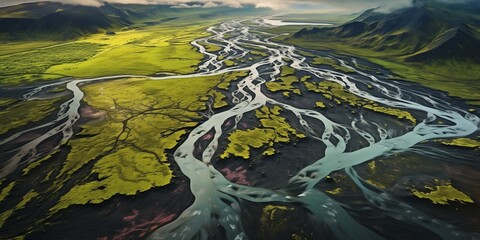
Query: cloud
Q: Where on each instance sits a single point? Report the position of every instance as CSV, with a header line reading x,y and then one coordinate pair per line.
x,y
351,5
210,4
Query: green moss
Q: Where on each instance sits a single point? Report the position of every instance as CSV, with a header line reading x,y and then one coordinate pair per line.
x,y
259,53
212,48
332,63
229,63
229,78
15,66
273,130
125,172
335,92
145,51
25,112
273,220
287,71
372,166
462,142
376,184
143,120
285,85
320,105
442,194
269,152
241,142
26,199
335,191
6,101
6,191
7,48
456,78
219,100
269,213
86,149
37,163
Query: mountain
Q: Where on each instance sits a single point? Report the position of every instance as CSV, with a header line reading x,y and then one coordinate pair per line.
x,y
57,21
426,31
458,43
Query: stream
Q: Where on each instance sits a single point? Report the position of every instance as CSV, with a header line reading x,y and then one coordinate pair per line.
x,y
218,201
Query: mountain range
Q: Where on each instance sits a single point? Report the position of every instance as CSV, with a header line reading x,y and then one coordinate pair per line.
x,y
425,32
58,21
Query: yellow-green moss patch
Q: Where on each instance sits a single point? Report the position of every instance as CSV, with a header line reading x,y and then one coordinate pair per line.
x,y
219,99
24,112
272,130
6,191
442,194
335,191
335,92
332,63
125,172
26,199
284,85
462,142
212,48
37,163
320,105
287,71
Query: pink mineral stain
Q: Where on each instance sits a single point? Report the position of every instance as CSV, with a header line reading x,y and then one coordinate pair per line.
x,y
207,136
229,123
131,217
237,176
142,228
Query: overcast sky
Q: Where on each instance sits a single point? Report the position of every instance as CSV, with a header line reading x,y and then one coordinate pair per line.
x,y
352,5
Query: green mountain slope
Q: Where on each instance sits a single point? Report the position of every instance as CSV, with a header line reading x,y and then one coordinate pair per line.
x,y
427,31
460,43
432,42
56,21
59,22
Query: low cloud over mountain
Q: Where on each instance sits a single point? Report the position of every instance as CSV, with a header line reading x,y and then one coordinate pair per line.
x,y
384,5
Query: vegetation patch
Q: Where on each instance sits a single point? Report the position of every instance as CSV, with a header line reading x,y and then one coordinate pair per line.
x,y
212,47
273,129
274,217
335,92
462,142
285,83
450,76
29,66
332,63
6,191
127,150
126,172
443,193
26,199
25,112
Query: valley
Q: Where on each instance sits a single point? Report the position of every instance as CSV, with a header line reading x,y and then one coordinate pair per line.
x,y
231,128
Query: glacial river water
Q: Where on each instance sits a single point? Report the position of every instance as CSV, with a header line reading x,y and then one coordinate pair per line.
x,y
218,202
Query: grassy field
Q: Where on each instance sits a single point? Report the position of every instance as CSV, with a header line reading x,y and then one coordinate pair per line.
x,y
144,49
125,151
457,79
31,65
7,48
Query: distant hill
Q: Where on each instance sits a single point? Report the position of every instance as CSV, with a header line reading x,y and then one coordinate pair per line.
x,y
426,31
458,43
58,21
